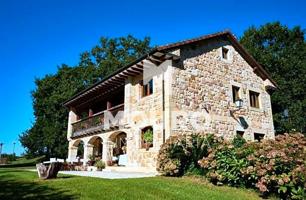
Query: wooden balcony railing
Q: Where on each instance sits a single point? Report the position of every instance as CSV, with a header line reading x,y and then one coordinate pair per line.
x,y
95,120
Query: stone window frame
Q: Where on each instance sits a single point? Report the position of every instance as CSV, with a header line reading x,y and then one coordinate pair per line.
x,y
141,137
260,108
235,84
240,133
239,93
260,135
142,86
229,54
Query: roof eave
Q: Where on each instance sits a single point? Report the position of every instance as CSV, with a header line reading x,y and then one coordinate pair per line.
x,y
67,103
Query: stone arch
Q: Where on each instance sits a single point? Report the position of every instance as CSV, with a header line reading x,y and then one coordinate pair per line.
x,y
76,150
96,143
117,147
118,140
77,142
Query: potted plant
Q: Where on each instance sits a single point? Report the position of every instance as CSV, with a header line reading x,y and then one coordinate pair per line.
x,y
91,160
148,138
100,164
109,163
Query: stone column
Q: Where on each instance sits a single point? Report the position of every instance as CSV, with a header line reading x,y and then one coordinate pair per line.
x,y
72,153
107,154
88,150
128,93
167,76
72,117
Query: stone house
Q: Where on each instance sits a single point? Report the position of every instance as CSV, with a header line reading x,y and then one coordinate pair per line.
x,y
209,84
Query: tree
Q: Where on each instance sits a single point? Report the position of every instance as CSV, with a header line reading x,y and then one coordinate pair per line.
x,y
282,52
48,134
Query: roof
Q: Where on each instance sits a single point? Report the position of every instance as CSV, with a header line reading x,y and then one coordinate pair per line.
x,y
135,67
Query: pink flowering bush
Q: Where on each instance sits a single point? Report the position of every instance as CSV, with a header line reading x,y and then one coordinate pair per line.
x,y
271,166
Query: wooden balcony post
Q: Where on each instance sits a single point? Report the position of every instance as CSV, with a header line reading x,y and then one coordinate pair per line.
x,y
108,105
90,112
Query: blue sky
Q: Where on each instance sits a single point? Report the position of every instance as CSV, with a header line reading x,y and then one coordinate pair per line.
x,y
37,36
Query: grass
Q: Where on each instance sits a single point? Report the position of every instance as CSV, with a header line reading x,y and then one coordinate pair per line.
x,y
23,162
21,184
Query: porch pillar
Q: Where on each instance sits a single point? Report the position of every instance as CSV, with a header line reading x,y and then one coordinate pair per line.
x,y
71,118
107,153
108,105
88,150
72,153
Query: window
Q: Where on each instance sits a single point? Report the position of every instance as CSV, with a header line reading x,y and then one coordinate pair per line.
x,y
147,137
225,53
254,99
240,133
258,136
147,89
236,95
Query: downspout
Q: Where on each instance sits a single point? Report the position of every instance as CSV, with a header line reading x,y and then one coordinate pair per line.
x,y
163,101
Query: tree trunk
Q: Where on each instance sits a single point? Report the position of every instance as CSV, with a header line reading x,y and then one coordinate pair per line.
x,y
48,172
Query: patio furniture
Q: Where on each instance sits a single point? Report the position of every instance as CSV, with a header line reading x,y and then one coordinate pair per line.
x,y
122,160
54,160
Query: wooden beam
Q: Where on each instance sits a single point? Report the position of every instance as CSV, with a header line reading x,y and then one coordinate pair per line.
x,y
137,69
133,71
154,61
129,73
161,58
139,66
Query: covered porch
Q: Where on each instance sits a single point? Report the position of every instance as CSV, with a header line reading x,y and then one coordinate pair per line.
x,y
110,147
89,117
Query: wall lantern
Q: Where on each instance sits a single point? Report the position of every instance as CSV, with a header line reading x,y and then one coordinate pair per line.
x,y
239,103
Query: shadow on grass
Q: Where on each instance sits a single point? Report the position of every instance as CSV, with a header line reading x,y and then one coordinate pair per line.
x,y
14,187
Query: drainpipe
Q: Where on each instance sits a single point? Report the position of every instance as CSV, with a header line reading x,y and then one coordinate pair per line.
x,y
163,99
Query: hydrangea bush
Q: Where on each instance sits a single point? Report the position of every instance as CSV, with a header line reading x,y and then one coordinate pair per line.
x,y
271,166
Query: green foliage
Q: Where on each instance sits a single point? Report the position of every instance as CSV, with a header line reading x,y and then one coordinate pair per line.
x,y
9,157
48,134
180,154
282,52
238,141
272,166
148,136
100,164
91,157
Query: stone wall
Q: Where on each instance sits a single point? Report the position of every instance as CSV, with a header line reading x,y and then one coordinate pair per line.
x,y
202,82
142,112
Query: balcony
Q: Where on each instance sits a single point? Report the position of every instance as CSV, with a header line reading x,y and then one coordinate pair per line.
x,y
94,124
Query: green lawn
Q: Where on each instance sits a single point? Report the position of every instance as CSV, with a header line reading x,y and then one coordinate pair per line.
x,y
21,184
23,162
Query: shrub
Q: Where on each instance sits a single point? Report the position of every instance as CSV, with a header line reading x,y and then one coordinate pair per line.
x,y
272,166
238,141
180,154
100,164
